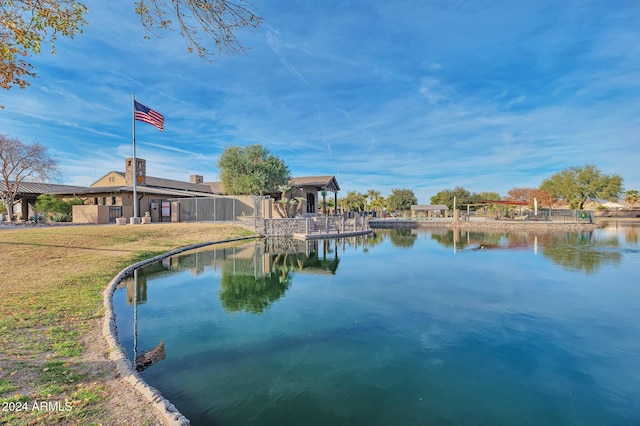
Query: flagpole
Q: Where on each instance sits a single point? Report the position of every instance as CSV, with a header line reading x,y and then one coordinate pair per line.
x,y
135,174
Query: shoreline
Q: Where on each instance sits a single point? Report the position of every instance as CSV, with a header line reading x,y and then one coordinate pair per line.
x,y
483,225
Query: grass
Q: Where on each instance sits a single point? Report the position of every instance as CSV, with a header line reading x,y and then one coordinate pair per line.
x,y
51,283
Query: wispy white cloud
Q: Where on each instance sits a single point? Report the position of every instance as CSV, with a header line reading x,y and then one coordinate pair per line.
x,y
486,95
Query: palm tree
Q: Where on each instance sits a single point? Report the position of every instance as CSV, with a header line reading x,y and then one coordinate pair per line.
x,y
631,196
374,199
324,201
287,207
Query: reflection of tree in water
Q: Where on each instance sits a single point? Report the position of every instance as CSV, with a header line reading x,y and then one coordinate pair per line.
x,y
402,238
462,239
239,292
580,252
376,237
253,284
293,262
631,235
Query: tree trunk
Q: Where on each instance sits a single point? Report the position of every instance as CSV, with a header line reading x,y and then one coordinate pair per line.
x,y
9,205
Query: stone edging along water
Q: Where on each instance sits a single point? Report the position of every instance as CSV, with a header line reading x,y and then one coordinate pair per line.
x,y
125,368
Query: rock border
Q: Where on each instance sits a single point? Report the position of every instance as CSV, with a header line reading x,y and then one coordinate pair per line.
x,y
124,366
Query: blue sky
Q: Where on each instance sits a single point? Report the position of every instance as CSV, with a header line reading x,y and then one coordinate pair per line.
x,y
425,95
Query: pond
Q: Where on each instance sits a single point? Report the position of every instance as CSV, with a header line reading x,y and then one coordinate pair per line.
x,y
403,327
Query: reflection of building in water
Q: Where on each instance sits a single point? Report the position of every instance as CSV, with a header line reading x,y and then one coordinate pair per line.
x,y
312,256
261,257
141,296
262,260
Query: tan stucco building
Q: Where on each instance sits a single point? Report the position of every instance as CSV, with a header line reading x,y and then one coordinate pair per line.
x,y
165,200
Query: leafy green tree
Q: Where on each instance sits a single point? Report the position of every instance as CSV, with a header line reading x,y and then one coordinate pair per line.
x,y
369,196
446,196
483,196
50,204
578,185
251,170
375,200
354,201
631,196
53,206
27,24
401,200
492,196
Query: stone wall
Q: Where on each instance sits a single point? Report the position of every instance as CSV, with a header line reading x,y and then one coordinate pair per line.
x,y
284,227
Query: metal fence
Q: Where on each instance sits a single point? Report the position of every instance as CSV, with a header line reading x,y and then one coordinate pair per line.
x,y
563,215
203,209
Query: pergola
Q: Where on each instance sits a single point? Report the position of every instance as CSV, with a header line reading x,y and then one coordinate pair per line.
x,y
311,185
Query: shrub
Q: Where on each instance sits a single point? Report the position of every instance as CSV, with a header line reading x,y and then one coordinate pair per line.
x,y
60,217
58,210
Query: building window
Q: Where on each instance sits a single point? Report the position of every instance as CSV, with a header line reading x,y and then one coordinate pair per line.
x,y
95,201
104,201
113,201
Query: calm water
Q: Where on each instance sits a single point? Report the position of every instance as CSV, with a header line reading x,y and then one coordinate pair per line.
x,y
420,327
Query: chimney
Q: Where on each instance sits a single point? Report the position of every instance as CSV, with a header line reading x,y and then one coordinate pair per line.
x,y
196,179
140,171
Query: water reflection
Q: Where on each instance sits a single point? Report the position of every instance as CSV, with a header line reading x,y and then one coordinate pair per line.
x,y
583,251
344,340
630,229
252,276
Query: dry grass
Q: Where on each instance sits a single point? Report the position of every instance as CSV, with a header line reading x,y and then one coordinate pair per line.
x,y
51,283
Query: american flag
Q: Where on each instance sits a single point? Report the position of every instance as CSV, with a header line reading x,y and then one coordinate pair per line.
x,y
146,114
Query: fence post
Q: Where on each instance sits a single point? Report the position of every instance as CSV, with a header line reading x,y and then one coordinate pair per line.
x,y
342,224
307,226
